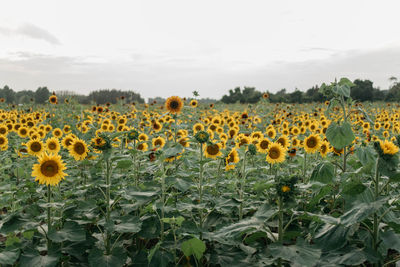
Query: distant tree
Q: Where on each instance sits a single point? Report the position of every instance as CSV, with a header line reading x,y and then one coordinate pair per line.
x,y
24,96
362,91
8,94
106,95
42,94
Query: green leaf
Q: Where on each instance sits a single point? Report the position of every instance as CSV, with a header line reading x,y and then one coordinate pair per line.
x,y
340,135
11,240
9,257
391,240
395,177
365,155
332,237
33,258
300,254
194,247
132,226
360,212
346,81
71,232
324,172
353,188
97,258
124,164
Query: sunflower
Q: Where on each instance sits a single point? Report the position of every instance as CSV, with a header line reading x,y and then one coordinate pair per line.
x,y
23,132
35,147
174,104
158,142
3,130
212,150
78,149
312,143
184,141
53,99
231,159
57,132
67,140
143,137
271,133
52,145
265,95
262,146
49,170
276,153
388,147
324,149
193,103
284,141
142,146
198,127
3,142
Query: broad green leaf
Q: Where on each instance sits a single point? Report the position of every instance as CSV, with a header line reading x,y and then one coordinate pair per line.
x,y
360,212
353,188
33,258
300,254
71,232
340,135
194,247
97,258
9,257
391,240
324,172
128,227
332,237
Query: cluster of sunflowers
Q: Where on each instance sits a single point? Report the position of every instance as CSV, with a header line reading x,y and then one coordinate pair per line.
x,y
279,135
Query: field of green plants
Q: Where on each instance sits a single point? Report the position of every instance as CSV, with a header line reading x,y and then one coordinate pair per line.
x,y
184,184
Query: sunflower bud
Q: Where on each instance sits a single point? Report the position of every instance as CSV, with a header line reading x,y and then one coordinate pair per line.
x,y
202,137
133,135
252,149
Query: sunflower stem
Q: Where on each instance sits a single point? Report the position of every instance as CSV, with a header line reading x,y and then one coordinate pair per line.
x,y
304,165
280,225
108,207
48,216
376,222
242,181
201,189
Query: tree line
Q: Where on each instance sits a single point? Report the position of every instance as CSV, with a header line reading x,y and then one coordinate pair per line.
x,y
42,94
363,90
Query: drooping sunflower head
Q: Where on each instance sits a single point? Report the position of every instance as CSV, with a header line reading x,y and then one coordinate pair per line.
x,y
324,149
276,153
78,149
231,159
49,170
133,135
174,104
35,147
312,143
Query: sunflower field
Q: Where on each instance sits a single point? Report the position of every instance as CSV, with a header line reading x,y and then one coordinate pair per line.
x,y
184,184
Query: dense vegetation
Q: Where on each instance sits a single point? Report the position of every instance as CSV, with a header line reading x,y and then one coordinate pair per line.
x,y
198,185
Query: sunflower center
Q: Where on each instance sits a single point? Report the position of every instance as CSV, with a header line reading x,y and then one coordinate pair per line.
x,y
68,141
52,146
231,158
2,141
264,144
79,148
274,153
36,147
311,142
174,104
212,149
3,130
158,142
323,148
49,168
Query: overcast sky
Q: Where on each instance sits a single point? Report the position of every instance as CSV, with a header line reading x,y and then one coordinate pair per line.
x,y
168,47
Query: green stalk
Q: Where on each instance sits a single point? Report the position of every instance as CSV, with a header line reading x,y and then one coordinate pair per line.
x,y
344,159
280,225
201,187
162,206
243,178
108,207
376,195
304,165
48,216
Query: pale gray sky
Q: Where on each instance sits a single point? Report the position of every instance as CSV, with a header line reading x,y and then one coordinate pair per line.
x,y
163,48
